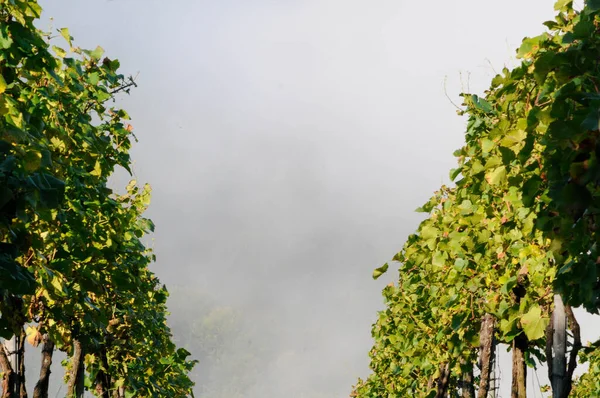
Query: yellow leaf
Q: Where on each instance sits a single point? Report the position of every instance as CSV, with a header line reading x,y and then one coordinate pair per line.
x,y
97,169
34,337
2,84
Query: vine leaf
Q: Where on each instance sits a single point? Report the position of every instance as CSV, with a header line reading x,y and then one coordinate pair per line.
x,y
2,84
592,121
496,176
380,271
534,324
530,46
593,5
64,32
561,4
34,337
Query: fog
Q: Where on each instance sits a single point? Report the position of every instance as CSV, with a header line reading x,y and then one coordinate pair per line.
x,y
288,143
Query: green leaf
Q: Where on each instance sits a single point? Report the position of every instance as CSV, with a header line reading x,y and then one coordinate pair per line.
x,y
33,160
466,207
59,51
481,104
592,121
97,53
476,166
530,46
513,138
14,277
493,162
439,259
592,5
5,39
496,176
561,5
487,145
543,65
566,268
460,264
6,195
123,114
428,232
46,158
64,32
93,78
534,324
380,271
33,10
509,326
457,320
507,283
455,173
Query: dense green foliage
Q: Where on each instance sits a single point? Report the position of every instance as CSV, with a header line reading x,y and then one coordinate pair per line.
x,y
589,384
73,267
519,226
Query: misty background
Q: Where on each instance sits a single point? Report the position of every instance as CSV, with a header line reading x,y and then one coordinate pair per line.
x,y
288,143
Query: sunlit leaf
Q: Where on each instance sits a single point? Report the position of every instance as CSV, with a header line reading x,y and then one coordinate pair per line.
x,y
380,271
64,32
534,324
496,176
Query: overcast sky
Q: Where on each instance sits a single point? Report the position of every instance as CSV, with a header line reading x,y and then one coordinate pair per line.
x,y
288,143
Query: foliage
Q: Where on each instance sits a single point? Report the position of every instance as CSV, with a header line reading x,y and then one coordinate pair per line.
x,y
588,385
519,226
73,264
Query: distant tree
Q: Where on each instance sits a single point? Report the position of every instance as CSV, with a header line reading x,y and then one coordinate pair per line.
x,y
239,357
231,354
507,253
74,272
